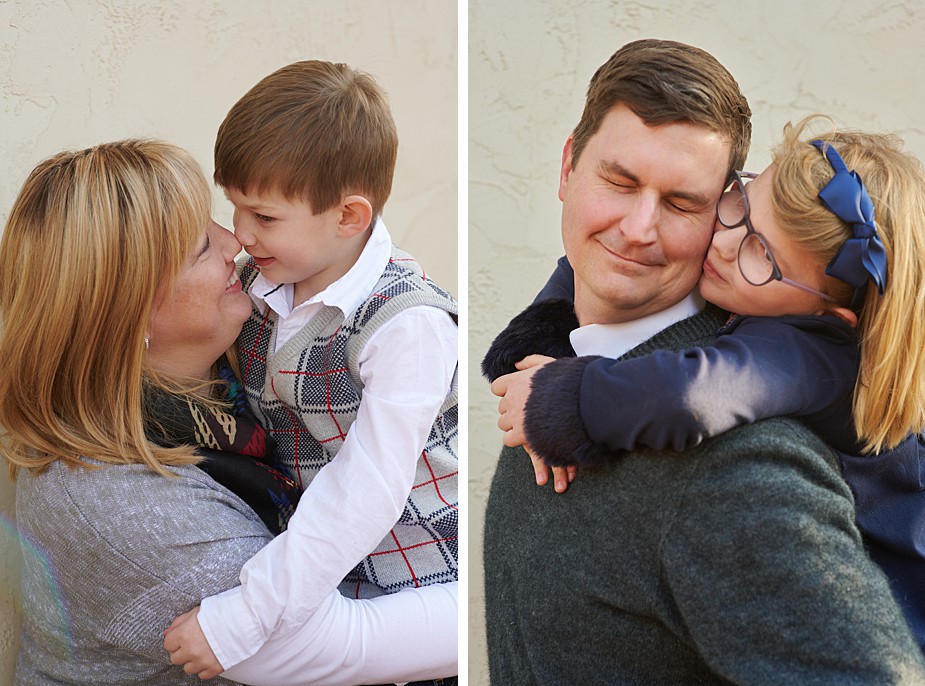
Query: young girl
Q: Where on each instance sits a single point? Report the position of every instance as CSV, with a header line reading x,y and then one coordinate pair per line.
x,y
826,275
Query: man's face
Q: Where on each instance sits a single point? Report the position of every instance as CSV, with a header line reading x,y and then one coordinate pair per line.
x,y
638,211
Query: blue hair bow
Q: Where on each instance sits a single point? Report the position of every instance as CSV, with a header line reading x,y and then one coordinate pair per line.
x,y
862,257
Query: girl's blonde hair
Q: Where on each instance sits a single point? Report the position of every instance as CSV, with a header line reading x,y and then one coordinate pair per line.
x,y
91,238
889,397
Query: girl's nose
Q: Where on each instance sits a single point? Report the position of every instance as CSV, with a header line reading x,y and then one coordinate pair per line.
x,y
726,241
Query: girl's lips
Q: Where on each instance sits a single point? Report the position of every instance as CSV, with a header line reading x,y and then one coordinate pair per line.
x,y
710,271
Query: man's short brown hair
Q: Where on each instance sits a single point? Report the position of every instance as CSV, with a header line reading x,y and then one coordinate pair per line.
x,y
314,131
664,82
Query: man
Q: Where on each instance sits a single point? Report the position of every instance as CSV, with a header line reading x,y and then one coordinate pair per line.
x,y
737,561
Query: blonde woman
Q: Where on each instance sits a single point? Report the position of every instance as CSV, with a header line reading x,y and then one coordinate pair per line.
x,y
118,301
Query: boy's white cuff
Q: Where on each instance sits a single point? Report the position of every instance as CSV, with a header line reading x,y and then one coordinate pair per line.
x,y
232,630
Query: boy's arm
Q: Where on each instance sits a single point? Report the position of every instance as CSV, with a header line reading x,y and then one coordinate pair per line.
x,y
561,285
407,369
579,410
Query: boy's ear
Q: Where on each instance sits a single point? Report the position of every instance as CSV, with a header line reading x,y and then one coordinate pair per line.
x,y
355,216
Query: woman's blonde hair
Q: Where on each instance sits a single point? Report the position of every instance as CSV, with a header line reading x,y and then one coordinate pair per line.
x,y
889,397
91,238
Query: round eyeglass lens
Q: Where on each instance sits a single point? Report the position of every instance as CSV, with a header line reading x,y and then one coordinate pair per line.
x,y
731,206
755,260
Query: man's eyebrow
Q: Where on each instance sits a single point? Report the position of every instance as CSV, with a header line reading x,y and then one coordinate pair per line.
x,y
612,167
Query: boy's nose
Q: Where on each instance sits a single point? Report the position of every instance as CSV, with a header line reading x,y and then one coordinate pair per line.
x,y
245,238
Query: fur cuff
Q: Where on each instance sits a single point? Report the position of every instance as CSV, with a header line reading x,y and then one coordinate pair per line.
x,y
552,416
541,329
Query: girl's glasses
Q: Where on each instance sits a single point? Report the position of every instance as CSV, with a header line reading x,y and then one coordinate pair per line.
x,y
756,261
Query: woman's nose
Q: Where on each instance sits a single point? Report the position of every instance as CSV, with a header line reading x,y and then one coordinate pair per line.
x,y
228,241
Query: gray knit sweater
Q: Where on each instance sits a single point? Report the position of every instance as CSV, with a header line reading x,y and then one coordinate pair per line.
x,y
735,562
111,556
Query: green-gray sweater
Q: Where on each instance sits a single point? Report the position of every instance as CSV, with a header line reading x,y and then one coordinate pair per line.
x,y
735,562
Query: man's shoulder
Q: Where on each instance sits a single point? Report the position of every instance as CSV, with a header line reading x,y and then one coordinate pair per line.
x,y
778,452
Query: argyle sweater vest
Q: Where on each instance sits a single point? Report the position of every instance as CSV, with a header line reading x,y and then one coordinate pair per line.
x,y
307,395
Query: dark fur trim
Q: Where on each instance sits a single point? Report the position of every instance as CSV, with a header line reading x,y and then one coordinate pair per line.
x,y
552,416
541,329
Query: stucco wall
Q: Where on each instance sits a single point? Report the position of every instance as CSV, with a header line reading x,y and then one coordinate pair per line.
x,y
529,65
78,72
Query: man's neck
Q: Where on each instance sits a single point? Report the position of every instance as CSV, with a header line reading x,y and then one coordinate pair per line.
x,y
616,338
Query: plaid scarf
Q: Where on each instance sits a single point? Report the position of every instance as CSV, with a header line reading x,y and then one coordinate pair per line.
x,y
237,450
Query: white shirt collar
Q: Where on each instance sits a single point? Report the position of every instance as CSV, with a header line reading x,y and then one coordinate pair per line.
x,y
613,340
347,293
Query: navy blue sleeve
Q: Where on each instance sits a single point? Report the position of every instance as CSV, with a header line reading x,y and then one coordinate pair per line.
x,y
561,285
765,367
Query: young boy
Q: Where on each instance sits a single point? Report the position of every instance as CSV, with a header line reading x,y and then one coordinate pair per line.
x,y
350,352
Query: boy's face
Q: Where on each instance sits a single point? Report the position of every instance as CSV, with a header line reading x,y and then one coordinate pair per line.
x,y
289,243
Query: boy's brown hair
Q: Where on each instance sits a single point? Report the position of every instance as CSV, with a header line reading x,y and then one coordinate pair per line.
x,y
314,131
663,82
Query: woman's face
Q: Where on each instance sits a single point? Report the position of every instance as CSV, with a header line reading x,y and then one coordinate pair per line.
x,y
192,325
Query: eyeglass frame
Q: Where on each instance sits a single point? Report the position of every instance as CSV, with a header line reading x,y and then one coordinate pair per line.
x,y
776,275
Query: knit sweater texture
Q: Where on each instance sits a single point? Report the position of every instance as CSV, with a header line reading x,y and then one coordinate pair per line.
x,y
308,393
110,557
737,561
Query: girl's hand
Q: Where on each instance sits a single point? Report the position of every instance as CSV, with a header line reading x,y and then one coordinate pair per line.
x,y
561,476
514,390
188,646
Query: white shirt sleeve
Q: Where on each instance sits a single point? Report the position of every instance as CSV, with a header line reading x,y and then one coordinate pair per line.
x,y
406,636
407,368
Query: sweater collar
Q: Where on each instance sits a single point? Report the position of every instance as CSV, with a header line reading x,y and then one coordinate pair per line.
x,y
614,340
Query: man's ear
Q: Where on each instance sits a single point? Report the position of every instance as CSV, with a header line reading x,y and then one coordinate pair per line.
x,y
566,168
356,214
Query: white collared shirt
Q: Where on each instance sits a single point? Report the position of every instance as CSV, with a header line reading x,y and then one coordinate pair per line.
x,y
407,368
613,340
346,294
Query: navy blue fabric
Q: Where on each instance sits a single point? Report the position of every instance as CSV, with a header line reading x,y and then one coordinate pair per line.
x,y
561,285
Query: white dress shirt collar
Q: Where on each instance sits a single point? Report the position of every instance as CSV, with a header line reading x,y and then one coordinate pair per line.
x,y
613,340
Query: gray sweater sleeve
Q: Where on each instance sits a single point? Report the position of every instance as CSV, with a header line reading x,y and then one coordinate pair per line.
x,y
123,551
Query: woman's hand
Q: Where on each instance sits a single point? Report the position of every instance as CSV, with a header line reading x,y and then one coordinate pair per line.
x,y
514,390
188,646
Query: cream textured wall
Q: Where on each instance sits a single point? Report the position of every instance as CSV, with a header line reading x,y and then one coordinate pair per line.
x,y
75,73
529,65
